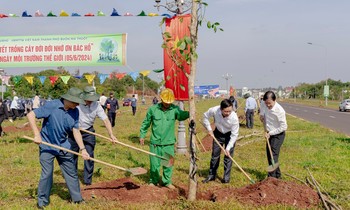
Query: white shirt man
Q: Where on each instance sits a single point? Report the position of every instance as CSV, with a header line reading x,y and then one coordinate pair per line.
x,y
226,132
273,116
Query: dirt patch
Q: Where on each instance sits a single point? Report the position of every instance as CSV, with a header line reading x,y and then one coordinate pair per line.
x,y
23,127
207,143
126,191
266,192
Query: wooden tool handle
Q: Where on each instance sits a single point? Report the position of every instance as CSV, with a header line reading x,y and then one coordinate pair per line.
x,y
76,153
121,143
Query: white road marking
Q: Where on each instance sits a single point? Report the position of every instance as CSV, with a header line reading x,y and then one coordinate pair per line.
x,y
317,113
305,110
331,116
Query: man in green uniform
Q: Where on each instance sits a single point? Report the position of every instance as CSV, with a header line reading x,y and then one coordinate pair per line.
x,y
162,117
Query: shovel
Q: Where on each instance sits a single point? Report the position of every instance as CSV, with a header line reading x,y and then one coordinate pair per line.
x,y
222,148
274,165
167,161
135,171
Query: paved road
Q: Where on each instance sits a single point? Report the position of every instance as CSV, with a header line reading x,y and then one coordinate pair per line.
x,y
333,119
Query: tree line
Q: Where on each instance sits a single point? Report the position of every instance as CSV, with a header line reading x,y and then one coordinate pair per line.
x,y
337,90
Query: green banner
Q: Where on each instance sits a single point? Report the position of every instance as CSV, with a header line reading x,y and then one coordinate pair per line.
x,y
63,50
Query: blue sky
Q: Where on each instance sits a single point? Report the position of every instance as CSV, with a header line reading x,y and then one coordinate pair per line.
x,y
264,43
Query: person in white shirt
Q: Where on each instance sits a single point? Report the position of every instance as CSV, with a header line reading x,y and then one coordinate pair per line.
x,y
14,108
273,116
102,100
87,116
250,107
226,132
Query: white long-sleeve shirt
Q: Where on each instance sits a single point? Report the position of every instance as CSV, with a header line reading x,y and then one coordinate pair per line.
x,y
223,125
275,118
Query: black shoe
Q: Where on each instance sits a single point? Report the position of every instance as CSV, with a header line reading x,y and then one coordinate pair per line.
x,y
40,207
80,202
225,181
208,179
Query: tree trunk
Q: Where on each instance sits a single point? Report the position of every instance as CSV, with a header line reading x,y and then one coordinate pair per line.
x,y
192,187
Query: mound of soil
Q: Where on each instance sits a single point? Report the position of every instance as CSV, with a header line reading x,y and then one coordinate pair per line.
x,y
126,191
10,129
268,191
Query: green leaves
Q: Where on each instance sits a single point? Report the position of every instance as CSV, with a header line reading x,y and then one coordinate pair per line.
x,y
214,26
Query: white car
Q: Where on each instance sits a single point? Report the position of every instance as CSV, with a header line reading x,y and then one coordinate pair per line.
x,y
344,105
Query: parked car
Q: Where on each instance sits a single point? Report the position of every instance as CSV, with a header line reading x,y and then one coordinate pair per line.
x,y
127,102
344,105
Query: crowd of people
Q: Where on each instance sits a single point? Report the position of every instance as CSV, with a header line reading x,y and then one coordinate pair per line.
x,y
69,122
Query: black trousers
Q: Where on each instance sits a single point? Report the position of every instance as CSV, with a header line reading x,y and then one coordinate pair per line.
x,y
215,155
133,108
249,116
89,141
2,118
111,117
276,142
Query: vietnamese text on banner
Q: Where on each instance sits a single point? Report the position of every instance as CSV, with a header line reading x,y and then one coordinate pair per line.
x,y
63,50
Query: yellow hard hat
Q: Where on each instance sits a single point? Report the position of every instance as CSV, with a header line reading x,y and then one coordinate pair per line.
x,y
167,96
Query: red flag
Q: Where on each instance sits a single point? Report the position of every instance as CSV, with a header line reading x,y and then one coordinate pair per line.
x,y
175,78
53,80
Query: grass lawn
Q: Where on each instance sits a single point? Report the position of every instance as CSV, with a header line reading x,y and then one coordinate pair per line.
x,y
325,153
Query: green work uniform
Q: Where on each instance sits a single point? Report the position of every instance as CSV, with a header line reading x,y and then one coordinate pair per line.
x,y
162,137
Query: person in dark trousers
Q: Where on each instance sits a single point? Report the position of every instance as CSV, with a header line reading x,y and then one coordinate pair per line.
x,y
87,115
60,118
273,116
112,107
133,105
226,132
3,115
250,107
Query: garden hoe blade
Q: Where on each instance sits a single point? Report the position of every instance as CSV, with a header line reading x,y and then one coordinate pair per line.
x,y
272,167
167,160
137,171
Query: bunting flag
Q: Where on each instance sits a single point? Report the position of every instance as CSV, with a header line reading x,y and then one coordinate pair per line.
x,y
134,75
50,14
29,79
5,79
65,79
111,75
42,79
145,73
38,14
158,70
78,76
114,12
102,77
53,79
90,14
89,78
142,13
120,75
16,79
100,13
63,14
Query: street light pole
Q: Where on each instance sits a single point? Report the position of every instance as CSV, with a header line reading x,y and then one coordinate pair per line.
x,y
326,88
227,77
